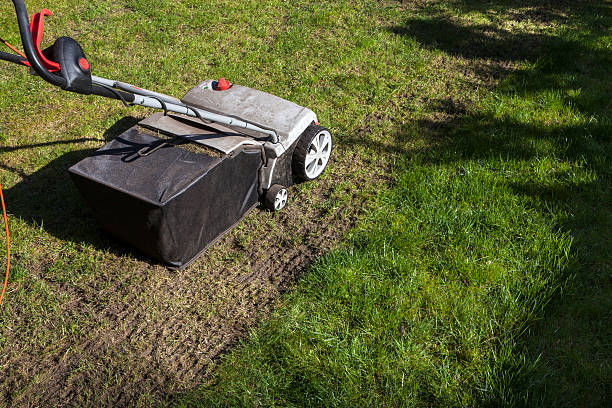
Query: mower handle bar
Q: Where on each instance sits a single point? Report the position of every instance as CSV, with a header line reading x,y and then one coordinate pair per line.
x,y
36,64
103,87
156,100
28,46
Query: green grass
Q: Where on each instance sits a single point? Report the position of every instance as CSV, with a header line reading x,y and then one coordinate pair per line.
x,y
442,295
480,277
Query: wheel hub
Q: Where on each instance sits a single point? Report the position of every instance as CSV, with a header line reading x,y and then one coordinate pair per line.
x,y
318,154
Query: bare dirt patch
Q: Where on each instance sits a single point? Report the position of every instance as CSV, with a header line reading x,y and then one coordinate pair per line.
x,y
153,332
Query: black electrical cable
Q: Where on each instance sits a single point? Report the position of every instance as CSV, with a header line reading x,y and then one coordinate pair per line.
x,y
119,95
199,116
163,104
11,58
15,50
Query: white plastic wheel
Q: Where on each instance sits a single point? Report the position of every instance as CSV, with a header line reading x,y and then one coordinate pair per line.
x,y
318,154
312,153
280,201
276,197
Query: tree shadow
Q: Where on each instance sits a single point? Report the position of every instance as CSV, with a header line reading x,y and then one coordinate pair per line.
x,y
496,46
481,41
568,348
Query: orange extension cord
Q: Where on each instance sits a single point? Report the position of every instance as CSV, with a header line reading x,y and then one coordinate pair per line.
x,y
8,246
13,48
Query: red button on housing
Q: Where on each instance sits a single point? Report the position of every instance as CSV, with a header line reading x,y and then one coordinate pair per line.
x,y
222,84
84,64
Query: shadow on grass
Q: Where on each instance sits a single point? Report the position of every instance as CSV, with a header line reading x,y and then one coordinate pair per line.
x,y
567,359
567,353
49,199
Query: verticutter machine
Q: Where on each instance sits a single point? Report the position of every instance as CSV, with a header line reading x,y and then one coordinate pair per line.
x,y
178,180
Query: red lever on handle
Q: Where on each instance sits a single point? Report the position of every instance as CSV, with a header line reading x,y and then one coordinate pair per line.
x,y
37,28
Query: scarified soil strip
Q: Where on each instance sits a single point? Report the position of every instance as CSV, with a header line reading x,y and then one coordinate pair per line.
x,y
156,332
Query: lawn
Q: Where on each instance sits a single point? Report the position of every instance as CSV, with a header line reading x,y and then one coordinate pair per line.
x,y
457,252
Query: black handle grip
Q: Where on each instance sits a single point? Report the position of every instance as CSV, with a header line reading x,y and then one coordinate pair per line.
x,y
76,81
28,46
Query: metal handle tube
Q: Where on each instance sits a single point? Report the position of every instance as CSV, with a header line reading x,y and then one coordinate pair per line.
x,y
213,117
28,46
134,89
112,94
150,99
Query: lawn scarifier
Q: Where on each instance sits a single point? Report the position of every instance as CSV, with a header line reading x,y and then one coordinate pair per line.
x,y
169,202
